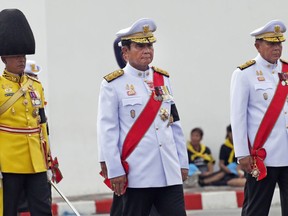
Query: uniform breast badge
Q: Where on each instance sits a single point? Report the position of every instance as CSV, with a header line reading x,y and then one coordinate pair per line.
x,y
283,78
260,76
8,89
132,113
130,89
164,115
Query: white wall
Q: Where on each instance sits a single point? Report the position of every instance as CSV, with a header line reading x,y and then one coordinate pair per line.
x,y
200,43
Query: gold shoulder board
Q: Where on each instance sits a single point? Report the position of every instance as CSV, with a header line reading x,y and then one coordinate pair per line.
x,y
114,75
247,64
165,73
284,61
33,78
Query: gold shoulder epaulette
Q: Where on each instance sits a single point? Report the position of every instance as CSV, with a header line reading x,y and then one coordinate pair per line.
x,y
165,73
114,75
247,64
284,61
33,78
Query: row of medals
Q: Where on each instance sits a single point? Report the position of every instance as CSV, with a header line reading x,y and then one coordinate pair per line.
x,y
34,95
161,93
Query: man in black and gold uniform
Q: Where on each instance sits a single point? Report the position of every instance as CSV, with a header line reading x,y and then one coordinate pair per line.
x,y
24,147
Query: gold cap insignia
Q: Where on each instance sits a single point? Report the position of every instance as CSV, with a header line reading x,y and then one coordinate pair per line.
x,y
277,29
146,29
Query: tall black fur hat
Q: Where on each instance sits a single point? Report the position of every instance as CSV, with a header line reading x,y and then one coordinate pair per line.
x,y
118,53
16,36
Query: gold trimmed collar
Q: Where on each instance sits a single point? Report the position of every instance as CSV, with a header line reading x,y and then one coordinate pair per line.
x,y
13,77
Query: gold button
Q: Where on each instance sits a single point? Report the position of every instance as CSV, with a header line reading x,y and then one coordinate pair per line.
x,y
273,72
25,102
29,135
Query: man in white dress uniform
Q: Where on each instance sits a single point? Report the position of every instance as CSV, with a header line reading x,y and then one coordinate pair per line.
x,y
260,122
139,131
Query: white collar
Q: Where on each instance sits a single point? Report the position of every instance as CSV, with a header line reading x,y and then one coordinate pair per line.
x,y
138,73
259,59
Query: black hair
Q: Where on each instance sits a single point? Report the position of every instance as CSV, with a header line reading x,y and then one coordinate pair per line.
x,y
228,130
198,130
126,43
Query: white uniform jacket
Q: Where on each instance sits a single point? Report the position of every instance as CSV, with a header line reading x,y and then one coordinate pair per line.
x,y
159,156
252,90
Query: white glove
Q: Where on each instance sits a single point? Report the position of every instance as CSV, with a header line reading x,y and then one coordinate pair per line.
x,y
49,175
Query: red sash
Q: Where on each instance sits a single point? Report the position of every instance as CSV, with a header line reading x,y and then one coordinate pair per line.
x,y
140,127
275,107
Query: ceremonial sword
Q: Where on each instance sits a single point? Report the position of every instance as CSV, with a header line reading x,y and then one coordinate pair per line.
x,y
64,197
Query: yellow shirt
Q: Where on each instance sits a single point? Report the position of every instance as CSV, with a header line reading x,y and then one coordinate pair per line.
x,y
22,153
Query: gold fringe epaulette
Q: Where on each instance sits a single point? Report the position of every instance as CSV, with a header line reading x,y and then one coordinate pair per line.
x,y
165,73
247,64
114,75
284,61
33,78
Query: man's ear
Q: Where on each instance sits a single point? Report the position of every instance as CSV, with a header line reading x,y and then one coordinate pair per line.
x,y
123,49
124,52
257,45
